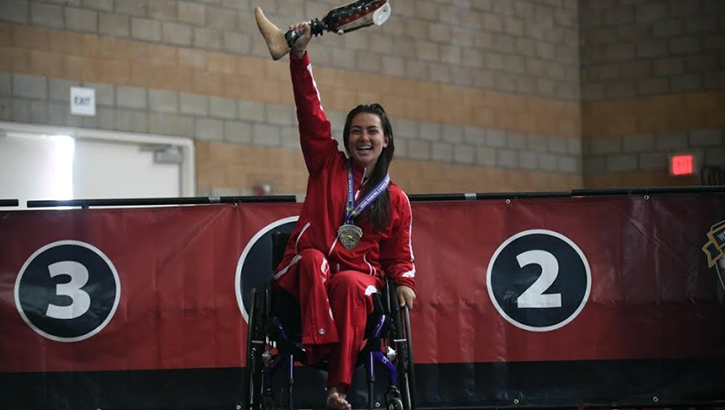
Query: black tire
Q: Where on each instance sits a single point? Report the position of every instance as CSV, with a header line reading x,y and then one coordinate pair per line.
x,y
395,404
406,369
268,403
253,370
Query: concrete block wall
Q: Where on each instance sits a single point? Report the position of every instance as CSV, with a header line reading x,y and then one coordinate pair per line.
x,y
653,84
486,92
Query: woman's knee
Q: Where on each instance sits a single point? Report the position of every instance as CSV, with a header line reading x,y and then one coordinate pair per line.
x,y
314,259
349,282
351,291
311,253
344,278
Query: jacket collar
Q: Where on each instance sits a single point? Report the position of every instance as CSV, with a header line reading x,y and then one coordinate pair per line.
x,y
359,173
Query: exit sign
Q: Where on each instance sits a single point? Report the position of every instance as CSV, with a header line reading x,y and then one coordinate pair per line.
x,y
83,101
682,164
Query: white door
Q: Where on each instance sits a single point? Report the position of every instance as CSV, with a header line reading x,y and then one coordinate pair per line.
x,y
105,169
49,163
35,166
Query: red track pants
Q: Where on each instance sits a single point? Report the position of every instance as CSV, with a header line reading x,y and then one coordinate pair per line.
x,y
334,310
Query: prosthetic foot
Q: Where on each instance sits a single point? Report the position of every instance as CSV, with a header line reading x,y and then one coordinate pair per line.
x,y
353,16
273,36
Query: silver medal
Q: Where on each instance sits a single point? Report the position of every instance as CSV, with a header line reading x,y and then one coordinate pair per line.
x,y
349,235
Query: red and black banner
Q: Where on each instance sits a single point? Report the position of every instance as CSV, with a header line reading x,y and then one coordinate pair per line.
x,y
537,302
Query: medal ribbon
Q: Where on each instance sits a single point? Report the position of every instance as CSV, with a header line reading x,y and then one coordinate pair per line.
x,y
352,210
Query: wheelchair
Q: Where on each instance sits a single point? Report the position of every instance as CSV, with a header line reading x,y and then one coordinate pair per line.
x,y
274,343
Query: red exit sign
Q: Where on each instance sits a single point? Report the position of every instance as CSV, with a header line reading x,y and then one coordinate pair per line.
x,y
682,164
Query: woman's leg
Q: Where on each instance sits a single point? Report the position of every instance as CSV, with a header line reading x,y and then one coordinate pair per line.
x,y
307,280
351,302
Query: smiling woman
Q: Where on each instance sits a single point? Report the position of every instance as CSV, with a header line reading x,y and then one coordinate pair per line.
x,y
368,138
352,202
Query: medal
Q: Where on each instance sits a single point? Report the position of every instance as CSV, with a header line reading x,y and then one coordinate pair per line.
x,y
349,233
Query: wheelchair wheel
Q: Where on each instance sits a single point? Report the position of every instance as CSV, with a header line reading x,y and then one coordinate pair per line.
x,y
253,370
395,404
406,370
268,403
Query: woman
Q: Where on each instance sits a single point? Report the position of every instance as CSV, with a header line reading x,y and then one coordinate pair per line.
x,y
354,229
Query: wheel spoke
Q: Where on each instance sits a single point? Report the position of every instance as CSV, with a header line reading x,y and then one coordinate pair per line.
x,y
409,363
253,370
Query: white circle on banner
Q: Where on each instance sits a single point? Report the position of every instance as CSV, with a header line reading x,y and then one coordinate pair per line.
x,y
539,280
67,291
264,270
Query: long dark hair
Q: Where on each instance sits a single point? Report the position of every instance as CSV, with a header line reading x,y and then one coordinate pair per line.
x,y
378,213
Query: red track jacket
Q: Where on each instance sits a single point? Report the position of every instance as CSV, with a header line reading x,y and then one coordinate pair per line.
x,y
389,252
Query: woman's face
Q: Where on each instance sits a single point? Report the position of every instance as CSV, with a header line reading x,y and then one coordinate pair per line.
x,y
366,140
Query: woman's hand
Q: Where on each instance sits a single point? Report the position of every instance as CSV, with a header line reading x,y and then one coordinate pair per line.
x,y
406,296
299,47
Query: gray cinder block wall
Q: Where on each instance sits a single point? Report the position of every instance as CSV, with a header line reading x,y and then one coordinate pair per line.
x,y
496,95
653,82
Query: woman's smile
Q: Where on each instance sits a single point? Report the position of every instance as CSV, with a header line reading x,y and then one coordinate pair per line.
x,y
367,140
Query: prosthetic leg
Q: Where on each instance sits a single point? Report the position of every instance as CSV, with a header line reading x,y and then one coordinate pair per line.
x,y
353,16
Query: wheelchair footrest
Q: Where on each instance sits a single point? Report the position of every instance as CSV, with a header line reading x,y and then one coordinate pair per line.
x,y
279,334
